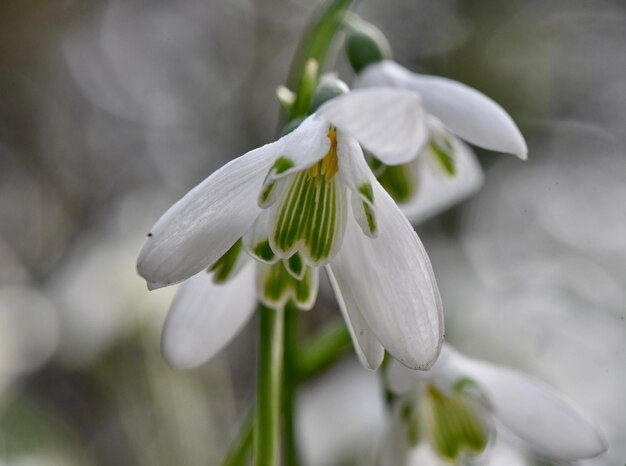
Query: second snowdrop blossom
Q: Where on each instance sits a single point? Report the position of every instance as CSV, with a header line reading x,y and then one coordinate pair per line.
x,y
456,407
443,170
310,200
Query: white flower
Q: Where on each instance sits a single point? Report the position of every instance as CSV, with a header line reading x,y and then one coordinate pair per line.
x,y
307,200
444,171
458,403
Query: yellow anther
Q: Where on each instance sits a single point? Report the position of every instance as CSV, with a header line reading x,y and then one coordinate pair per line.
x,y
329,165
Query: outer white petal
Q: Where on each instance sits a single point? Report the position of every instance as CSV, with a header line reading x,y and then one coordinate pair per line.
x,y
534,412
468,113
202,225
388,122
390,282
367,347
205,317
438,191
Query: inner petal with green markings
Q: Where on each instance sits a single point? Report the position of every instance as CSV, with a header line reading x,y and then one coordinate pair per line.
x,y
455,423
309,216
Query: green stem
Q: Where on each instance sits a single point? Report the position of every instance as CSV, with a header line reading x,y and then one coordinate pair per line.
x,y
326,349
292,457
269,384
315,44
317,356
239,452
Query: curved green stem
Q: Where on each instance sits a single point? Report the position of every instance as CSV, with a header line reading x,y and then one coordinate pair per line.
x,y
269,388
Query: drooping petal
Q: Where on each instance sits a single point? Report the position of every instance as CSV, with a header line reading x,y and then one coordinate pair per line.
x,y
206,316
438,191
468,113
206,222
357,175
388,122
533,411
390,282
303,147
368,349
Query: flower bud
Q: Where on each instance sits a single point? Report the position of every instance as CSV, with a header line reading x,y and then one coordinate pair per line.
x,y
365,45
329,88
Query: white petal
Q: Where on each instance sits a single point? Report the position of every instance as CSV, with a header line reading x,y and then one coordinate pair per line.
x,y
468,113
367,347
534,412
303,147
438,191
357,175
205,317
390,282
388,122
206,222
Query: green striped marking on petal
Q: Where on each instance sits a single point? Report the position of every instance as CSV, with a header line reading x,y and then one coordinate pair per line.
x,y
444,156
400,181
308,217
276,286
454,424
224,267
411,420
366,191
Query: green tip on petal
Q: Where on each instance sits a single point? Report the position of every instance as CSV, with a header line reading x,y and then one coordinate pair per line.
x,y
367,192
263,251
365,45
444,156
400,181
282,164
276,286
454,424
224,267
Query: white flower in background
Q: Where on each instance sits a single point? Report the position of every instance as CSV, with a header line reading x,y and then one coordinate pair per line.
x,y
443,170
304,201
457,407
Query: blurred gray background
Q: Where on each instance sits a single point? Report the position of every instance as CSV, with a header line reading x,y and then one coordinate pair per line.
x,y
112,110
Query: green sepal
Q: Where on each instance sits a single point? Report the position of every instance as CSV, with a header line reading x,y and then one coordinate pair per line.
x,y
225,266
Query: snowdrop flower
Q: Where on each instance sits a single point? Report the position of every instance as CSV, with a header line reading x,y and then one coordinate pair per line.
x,y
305,201
443,170
457,406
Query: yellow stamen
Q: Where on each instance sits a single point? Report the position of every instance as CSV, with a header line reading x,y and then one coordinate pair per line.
x,y
329,165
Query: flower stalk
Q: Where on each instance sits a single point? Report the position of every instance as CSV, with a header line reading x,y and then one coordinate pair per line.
x,y
269,387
